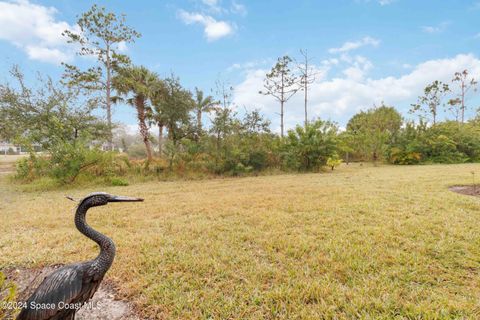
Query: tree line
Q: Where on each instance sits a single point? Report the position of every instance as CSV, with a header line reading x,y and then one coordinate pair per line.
x,y
61,119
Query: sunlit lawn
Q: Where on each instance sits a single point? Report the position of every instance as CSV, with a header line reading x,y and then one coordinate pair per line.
x,y
358,243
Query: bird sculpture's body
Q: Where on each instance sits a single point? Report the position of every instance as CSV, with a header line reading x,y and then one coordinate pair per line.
x,y
61,293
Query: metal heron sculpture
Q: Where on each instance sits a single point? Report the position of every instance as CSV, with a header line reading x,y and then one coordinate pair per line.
x,y
74,284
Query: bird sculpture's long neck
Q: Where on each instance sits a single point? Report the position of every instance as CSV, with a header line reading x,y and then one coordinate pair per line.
x,y
104,260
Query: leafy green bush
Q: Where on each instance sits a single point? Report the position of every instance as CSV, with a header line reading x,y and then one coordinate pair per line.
x,y
399,156
442,149
369,133
31,168
66,163
309,148
334,161
465,137
445,142
258,160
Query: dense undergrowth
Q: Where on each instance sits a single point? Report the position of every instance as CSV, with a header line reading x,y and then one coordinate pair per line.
x,y
317,147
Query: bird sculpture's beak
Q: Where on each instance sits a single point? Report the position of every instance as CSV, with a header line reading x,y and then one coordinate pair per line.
x,y
123,199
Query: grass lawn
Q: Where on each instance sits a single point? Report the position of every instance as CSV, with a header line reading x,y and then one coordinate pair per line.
x,y
389,242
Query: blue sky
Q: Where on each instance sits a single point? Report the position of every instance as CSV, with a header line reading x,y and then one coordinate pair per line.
x,y
366,51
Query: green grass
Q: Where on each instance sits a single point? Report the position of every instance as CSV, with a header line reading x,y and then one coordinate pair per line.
x,y
388,242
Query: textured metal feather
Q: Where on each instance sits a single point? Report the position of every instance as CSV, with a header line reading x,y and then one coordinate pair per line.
x,y
63,286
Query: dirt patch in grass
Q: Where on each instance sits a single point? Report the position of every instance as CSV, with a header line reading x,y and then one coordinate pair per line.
x,y
470,190
105,304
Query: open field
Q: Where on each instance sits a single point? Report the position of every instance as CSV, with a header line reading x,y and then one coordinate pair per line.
x,y
358,243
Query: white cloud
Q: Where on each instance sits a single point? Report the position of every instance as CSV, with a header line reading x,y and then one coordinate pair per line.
x,y
207,14
248,65
359,67
330,62
340,96
239,8
216,7
213,6
213,29
122,46
436,29
34,29
352,45
46,54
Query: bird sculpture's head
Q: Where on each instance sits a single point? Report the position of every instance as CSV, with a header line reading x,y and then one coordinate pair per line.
x,y
102,198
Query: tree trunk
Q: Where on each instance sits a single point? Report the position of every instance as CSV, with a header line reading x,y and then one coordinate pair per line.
x,y
199,123
463,101
306,98
281,118
306,89
140,104
282,101
108,103
160,139
172,134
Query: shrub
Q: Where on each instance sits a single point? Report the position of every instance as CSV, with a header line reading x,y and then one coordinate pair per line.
x,y
118,182
446,142
399,156
257,159
67,163
309,148
442,149
334,161
31,168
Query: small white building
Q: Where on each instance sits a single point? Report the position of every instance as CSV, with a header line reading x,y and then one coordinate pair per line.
x,y
7,147
104,146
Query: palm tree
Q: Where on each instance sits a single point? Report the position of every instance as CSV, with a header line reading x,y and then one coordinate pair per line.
x,y
157,117
138,84
202,105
